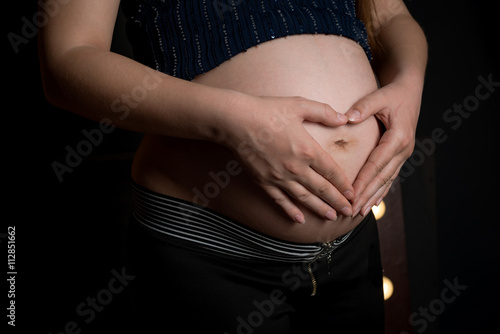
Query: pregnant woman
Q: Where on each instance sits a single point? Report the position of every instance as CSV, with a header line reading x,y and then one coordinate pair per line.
x,y
267,141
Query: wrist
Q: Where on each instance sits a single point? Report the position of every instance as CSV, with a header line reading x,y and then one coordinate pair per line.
x,y
225,108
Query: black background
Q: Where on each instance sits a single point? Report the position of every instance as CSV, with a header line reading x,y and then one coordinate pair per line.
x,y
70,233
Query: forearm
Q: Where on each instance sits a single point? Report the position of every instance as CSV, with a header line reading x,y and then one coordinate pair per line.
x,y
400,68
403,54
99,84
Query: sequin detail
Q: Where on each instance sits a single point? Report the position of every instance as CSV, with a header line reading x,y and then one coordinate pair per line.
x,y
185,38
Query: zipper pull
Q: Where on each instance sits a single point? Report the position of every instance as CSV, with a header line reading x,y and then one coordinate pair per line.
x,y
313,279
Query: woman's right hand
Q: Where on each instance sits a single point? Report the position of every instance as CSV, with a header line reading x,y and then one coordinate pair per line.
x,y
268,136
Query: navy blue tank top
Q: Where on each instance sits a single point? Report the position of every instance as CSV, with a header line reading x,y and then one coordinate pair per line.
x,y
185,38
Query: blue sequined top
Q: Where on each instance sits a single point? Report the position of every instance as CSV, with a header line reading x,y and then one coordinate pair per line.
x,y
185,38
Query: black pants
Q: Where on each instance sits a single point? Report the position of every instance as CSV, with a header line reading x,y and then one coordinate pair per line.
x,y
182,287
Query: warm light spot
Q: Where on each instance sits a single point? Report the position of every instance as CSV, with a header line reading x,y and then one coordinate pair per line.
x,y
388,288
379,210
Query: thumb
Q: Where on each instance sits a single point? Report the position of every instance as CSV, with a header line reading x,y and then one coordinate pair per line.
x,y
318,112
366,106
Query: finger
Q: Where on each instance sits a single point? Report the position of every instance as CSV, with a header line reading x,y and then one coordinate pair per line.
x,y
318,186
379,195
381,165
376,188
367,106
326,166
380,198
327,193
318,112
389,148
313,202
285,203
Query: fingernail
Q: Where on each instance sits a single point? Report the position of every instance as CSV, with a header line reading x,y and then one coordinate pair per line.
x,y
346,211
300,219
348,194
330,215
356,211
354,115
366,211
342,117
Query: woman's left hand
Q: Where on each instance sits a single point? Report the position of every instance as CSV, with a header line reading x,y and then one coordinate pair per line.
x,y
397,106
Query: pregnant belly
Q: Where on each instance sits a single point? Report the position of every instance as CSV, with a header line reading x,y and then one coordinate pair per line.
x,y
329,69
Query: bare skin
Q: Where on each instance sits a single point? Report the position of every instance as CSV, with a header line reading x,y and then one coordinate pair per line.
x,y
329,69
308,171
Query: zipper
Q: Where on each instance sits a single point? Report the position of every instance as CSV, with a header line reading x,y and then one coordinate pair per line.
x,y
327,248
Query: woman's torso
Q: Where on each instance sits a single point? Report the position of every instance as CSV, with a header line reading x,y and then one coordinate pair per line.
x,y
326,68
